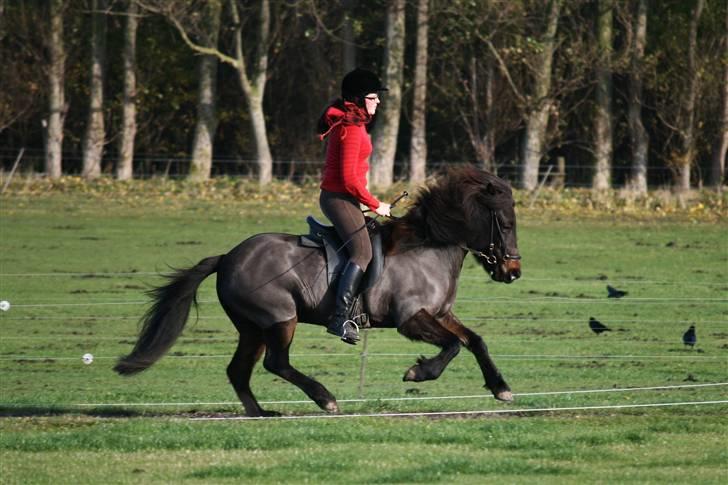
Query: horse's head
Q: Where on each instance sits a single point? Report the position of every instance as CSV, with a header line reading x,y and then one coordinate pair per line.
x,y
499,256
491,220
472,209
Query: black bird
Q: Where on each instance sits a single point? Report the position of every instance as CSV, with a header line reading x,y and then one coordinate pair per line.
x,y
598,327
689,337
615,293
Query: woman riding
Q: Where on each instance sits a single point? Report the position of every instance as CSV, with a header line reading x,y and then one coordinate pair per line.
x,y
343,187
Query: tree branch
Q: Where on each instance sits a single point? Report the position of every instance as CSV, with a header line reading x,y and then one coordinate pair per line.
x,y
504,70
185,36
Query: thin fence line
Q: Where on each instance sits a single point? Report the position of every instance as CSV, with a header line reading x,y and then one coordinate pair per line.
x,y
90,275
485,319
457,413
464,277
535,357
325,338
494,300
390,399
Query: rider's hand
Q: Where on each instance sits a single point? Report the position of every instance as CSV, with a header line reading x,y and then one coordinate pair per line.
x,y
383,209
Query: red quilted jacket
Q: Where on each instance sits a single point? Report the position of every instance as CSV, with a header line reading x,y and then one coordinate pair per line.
x,y
347,152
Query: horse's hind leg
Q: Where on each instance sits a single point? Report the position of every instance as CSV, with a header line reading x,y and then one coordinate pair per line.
x,y
250,348
474,343
278,340
425,328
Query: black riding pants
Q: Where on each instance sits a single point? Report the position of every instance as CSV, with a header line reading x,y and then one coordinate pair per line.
x,y
344,213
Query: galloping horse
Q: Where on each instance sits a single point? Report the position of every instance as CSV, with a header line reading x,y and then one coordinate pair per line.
x,y
269,283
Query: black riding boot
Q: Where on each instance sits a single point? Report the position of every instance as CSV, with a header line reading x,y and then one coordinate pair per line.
x,y
340,324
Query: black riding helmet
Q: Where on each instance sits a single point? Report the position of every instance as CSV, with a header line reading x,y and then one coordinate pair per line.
x,y
359,83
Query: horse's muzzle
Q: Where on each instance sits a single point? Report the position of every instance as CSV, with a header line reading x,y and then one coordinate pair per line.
x,y
512,270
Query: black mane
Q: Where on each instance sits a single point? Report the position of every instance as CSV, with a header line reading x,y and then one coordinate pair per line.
x,y
458,202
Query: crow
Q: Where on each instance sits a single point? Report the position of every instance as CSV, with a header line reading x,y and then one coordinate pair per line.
x,y
598,327
615,293
689,337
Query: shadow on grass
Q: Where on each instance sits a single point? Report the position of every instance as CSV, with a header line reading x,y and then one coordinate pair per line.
x,y
37,411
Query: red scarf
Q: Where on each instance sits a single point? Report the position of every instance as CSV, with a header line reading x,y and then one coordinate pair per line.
x,y
352,115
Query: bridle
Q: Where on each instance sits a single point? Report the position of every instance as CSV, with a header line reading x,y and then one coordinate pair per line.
x,y
489,254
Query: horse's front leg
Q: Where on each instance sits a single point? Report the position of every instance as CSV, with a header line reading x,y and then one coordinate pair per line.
x,y
474,343
423,327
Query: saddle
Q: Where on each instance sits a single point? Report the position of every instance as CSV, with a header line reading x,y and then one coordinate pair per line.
x,y
325,237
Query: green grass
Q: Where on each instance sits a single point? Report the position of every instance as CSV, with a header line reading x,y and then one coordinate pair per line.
x,y
65,421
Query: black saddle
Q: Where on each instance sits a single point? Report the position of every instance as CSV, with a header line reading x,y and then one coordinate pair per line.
x,y
325,236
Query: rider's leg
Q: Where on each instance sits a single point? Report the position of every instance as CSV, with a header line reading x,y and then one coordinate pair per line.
x,y
341,324
344,212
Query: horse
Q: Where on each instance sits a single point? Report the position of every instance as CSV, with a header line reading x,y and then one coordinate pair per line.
x,y
269,283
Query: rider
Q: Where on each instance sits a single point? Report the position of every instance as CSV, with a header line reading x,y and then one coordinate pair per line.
x,y
343,186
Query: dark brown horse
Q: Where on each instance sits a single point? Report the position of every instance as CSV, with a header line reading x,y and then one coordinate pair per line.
x,y
269,283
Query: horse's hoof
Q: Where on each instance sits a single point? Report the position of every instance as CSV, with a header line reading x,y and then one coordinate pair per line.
x,y
331,407
410,375
505,396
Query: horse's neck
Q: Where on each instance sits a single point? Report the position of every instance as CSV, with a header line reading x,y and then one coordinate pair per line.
x,y
448,259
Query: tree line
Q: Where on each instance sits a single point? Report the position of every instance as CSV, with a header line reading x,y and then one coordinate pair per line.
x,y
601,93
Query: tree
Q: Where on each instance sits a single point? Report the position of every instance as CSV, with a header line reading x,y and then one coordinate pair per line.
x,y
254,85
638,134
478,67
93,146
387,127
183,15
124,168
201,166
418,142
686,155
603,116
537,119
56,93
717,172
348,36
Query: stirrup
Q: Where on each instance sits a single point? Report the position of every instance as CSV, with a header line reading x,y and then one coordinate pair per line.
x,y
352,339
345,333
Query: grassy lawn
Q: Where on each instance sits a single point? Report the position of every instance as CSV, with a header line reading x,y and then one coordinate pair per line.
x,y
75,262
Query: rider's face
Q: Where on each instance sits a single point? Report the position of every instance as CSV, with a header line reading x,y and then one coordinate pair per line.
x,y
371,101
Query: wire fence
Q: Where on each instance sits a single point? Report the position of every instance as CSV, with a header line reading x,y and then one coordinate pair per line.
x,y
178,167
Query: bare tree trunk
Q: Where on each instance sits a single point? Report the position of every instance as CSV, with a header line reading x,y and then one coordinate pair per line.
x,y
537,120
603,118
418,142
56,95
717,172
488,138
387,128
687,156
482,139
638,134
201,166
254,87
124,168
349,37
93,146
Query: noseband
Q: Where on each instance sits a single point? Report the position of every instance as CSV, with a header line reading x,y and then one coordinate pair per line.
x,y
489,254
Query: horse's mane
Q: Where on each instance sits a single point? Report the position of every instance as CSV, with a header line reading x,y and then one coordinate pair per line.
x,y
458,201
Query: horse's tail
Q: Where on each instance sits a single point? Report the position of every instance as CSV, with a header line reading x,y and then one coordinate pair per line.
x,y
166,318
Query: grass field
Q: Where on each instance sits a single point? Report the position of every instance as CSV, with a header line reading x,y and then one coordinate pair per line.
x,y
74,265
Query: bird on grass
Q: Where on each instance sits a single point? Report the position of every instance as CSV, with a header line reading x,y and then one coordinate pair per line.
x,y
612,292
598,327
689,337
